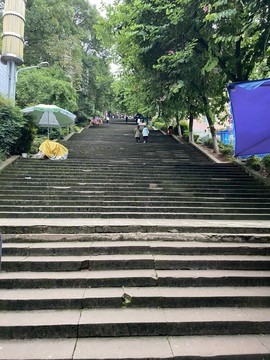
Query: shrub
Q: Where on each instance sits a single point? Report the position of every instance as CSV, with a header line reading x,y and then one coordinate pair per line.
x,y
254,162
160,124
183,126
225,149
196,138
209,142
266,163
15,130
186,135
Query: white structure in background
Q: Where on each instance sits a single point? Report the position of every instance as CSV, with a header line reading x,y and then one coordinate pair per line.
x,y
12,45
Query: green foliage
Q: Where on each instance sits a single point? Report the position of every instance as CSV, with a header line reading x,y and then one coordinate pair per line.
x,y
185,135
14,130
159,124
63,32
254,162
184,126
209,143
196,138
45,86
226,149
266,163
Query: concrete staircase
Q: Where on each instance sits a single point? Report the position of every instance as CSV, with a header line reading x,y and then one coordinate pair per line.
x,y
133,251
108,175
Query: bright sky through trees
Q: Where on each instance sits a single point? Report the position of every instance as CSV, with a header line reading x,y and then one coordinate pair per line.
x,y
99,3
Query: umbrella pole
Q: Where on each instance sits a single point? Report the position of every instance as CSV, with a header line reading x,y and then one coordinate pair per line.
x,y
48,127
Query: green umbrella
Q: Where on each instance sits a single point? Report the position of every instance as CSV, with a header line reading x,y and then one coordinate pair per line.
x,y
50,116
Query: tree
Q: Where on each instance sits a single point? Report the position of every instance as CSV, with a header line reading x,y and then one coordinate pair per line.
x,y
63,33
48,86
239,37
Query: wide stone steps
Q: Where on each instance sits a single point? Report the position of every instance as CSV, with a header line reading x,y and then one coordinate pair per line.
x,y
98,262
244,347
133,202
91,268
134,278
95,247
188,297
81,188
136,215
133,322
129,209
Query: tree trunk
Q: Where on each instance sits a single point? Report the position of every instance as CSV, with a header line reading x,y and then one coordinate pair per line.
x,y
190,128
213,132
178,125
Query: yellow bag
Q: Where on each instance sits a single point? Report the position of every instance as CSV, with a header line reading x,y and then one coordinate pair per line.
x,y
53,150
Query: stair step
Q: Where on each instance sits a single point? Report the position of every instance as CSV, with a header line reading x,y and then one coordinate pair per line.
x,y
130,209
137,278
136,215
136,261
241,347
171,236
76,298
134,247
133,322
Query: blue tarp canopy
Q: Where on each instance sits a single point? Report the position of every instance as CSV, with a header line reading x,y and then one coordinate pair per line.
x,y
250,108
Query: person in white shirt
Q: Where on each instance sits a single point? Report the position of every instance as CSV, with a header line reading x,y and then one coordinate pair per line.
x,y
145,134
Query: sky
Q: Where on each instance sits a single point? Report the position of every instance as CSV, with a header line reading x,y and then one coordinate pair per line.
x,y
98,3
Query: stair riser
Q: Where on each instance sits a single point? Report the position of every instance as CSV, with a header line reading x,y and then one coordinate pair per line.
x,y
135,264
157,215
126,329
155,195
142,188
92,210
133,282
92,251
173,203
241,233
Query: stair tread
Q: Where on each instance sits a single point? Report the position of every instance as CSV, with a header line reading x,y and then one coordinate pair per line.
x,y
135,243
127,348
139,315
165,292
106,274
126,257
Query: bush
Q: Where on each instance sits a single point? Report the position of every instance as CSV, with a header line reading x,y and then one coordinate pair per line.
x,y
183,126
254,162
226,149
15,130
36,143
266,163
185,135
210,143
159,124
196,138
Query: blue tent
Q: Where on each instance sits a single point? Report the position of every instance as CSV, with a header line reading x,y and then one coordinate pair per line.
x,y
250,108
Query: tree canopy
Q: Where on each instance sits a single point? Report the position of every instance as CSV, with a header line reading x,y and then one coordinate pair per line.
x,y
175,56
181,53
62,32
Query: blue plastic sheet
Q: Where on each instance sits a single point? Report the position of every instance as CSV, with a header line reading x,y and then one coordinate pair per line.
x,y
250,108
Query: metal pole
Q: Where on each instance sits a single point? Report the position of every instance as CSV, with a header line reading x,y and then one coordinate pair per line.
x,y
11,73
